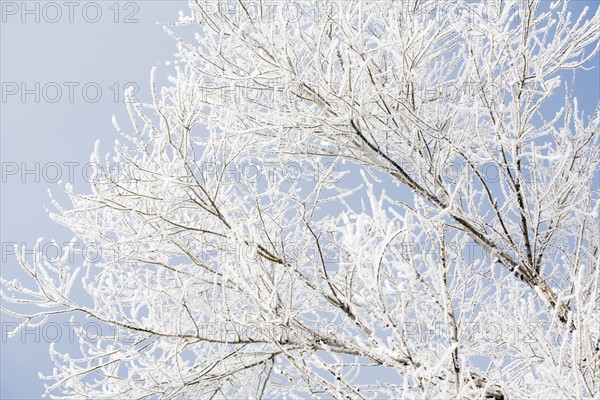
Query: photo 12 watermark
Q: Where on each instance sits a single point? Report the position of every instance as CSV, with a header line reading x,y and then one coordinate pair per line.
x,y
224,331
53,12
71,251
68,172
68,92
331,12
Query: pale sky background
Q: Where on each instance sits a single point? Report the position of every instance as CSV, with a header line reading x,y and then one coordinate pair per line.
x,y
104,53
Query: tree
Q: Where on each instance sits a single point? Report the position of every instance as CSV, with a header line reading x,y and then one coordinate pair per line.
x,y
345,200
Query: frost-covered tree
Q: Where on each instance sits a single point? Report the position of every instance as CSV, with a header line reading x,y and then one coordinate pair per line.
x,y
392,199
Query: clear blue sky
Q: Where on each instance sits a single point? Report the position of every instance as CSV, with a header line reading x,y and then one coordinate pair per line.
x,y
98,54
